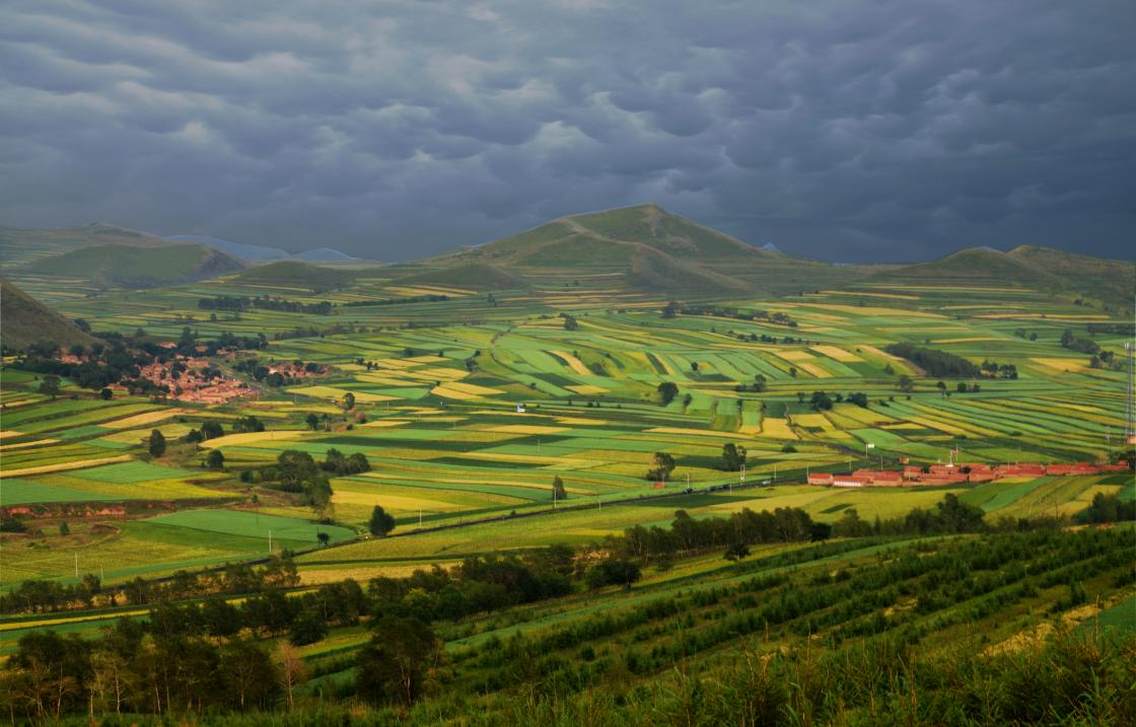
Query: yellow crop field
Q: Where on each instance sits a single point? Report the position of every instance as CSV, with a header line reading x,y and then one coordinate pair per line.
x,y
441,374
795,356
1048,316
814,370
864,416
877,311
1062,364
458,390
139,420
384,423
386,379
396,363
896,296
25,445
574,363
230,440
587,389
134,436
812,420
694,432
527,459
392,502
581,421
64,466
332,392
521,428
778,428
838,354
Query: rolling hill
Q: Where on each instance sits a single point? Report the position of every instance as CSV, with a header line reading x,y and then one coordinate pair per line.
x,y
135,267
252,253
19,245
24,321
649,249
1037,268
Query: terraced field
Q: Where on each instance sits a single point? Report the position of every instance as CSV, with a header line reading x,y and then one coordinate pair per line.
x,y
467,407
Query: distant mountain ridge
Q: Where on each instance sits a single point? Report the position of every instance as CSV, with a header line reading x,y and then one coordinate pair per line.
x,y
263,253
251,253
1025,266
641,248
647,249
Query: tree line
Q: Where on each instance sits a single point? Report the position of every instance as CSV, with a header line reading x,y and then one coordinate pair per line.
x,y
240,303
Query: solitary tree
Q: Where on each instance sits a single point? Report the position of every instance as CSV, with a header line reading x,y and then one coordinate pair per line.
x,y
382,522
558,491
312,421
905,383
323,538
106,394
157,444
49,385
664,464
733,457
348,401
668,390
215,460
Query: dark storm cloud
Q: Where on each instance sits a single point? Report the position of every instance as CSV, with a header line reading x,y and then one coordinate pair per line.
x,y
846,130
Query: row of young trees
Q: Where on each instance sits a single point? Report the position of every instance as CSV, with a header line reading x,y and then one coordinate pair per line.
x,y
244,302
40,596
688,535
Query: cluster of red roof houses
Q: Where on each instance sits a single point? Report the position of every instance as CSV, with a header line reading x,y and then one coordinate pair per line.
x,y
950,474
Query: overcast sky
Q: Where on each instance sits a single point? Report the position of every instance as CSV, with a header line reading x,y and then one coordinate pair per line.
x,y
841,130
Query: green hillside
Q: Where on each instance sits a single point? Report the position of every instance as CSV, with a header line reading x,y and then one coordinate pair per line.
x,y
1110,280
24,321
1035,268
647,248
289,273
472,275
19,246
136,267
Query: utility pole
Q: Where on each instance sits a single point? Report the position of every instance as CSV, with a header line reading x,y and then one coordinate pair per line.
x,y
270,542
76,565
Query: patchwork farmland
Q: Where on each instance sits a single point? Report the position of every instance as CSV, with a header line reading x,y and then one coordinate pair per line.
x,y
467,405
637,498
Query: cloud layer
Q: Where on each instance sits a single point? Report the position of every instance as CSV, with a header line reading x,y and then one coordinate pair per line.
x,y
848,130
